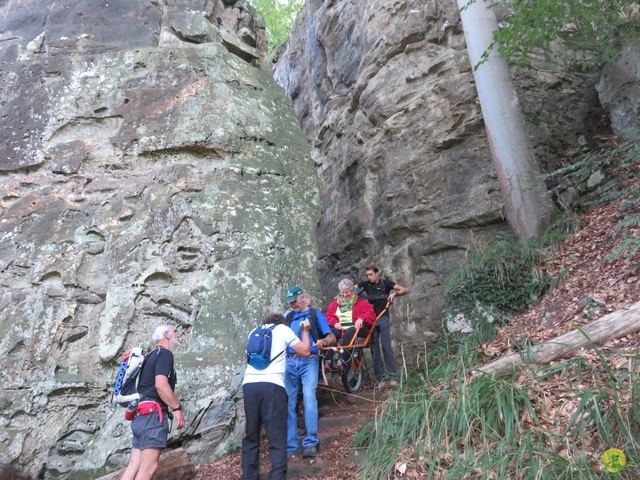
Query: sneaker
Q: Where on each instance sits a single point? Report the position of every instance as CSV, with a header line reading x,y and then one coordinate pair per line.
x,y
381,385
309,452
393,383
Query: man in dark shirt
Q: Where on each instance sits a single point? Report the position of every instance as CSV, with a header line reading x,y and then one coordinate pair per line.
x,y
378,292
151,426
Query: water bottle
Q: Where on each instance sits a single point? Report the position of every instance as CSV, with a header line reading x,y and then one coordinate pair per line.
x,y
131,411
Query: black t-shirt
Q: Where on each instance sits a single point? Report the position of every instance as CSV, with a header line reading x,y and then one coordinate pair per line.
x,y
159,362
377,293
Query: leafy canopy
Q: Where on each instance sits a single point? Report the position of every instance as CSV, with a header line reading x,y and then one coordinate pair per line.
x,y
596,26
279,16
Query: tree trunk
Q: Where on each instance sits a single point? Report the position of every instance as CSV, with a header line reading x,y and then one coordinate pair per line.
x,y
616,324
174,465
527,204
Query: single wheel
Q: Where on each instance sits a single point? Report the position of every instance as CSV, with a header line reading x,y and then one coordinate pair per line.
x,y
352,377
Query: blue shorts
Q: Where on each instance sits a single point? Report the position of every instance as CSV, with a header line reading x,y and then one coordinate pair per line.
x,y
148,432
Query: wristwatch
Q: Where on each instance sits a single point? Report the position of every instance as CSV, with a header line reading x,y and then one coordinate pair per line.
x,y
179,407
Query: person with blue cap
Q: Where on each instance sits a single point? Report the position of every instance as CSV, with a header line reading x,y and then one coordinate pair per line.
x,y
303,372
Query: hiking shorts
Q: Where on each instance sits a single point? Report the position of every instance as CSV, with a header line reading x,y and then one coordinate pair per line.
x,y
148,432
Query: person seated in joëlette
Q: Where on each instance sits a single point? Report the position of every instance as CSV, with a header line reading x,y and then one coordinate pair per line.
x,y
348,314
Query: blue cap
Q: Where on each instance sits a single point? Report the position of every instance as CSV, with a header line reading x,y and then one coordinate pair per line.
x,y
293,293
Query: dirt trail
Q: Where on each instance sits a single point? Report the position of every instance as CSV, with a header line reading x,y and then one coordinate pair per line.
x,y
341,414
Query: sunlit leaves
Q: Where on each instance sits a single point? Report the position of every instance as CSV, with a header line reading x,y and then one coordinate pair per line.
x,y
279,16
595,26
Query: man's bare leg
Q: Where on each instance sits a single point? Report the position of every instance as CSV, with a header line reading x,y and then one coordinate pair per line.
x,y
148,463
133,467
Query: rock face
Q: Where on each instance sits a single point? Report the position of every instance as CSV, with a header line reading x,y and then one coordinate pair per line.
x,y
619,90
150,174
384,93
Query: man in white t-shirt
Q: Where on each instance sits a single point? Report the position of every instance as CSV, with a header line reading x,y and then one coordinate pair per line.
x,y
265,401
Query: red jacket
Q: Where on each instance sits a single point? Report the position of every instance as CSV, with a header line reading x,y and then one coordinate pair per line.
x,y
361,309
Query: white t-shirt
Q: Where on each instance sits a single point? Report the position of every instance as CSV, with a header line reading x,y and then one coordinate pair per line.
x,y
283,337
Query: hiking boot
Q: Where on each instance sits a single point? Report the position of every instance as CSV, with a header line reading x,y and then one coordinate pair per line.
x,y
393,383
309,452
381,385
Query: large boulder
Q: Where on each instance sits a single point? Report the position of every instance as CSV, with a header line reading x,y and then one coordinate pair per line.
x,y
152,172
619,91
385,95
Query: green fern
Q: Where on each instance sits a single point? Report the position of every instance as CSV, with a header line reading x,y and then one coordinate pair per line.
x,y
629,246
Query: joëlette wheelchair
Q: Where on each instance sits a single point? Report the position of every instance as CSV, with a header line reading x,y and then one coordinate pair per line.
x,y
355,364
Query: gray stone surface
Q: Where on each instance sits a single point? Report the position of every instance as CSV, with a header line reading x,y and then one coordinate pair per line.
x,y
149,173
619,91
384,93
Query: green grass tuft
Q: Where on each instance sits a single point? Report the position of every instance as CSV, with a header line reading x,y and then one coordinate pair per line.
x,y
443,426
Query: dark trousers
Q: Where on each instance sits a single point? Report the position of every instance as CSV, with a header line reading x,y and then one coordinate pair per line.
x,y
348,336
265,404
382,335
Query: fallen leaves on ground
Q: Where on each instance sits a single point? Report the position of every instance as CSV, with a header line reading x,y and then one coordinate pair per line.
x,y
597,280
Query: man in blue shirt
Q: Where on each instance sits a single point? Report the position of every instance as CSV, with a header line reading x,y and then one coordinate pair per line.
x,y
303,372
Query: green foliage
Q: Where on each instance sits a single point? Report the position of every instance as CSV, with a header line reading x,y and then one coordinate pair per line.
x,y
442,425
504,279
588,161
562,224
590,309
495,281
621,159
629,246
279,16
630,243
597,26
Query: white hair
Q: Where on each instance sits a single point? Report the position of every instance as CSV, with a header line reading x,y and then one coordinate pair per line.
x,y
305,296
345,283
159,332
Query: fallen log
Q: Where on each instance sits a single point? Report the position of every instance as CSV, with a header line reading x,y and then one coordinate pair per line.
x,y
174,465
616,324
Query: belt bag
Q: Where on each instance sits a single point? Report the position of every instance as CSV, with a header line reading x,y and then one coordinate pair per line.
x,y
148,407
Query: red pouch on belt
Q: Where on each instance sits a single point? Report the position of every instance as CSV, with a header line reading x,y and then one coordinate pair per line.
x,y
147,408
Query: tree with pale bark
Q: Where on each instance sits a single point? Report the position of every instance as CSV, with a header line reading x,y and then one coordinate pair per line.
x,y
527,203
596,26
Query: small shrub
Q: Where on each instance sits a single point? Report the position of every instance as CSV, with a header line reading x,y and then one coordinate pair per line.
x,y
496,282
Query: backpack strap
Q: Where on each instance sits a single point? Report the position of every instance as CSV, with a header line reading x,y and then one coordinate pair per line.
x,y
282,351
144,362
313,321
